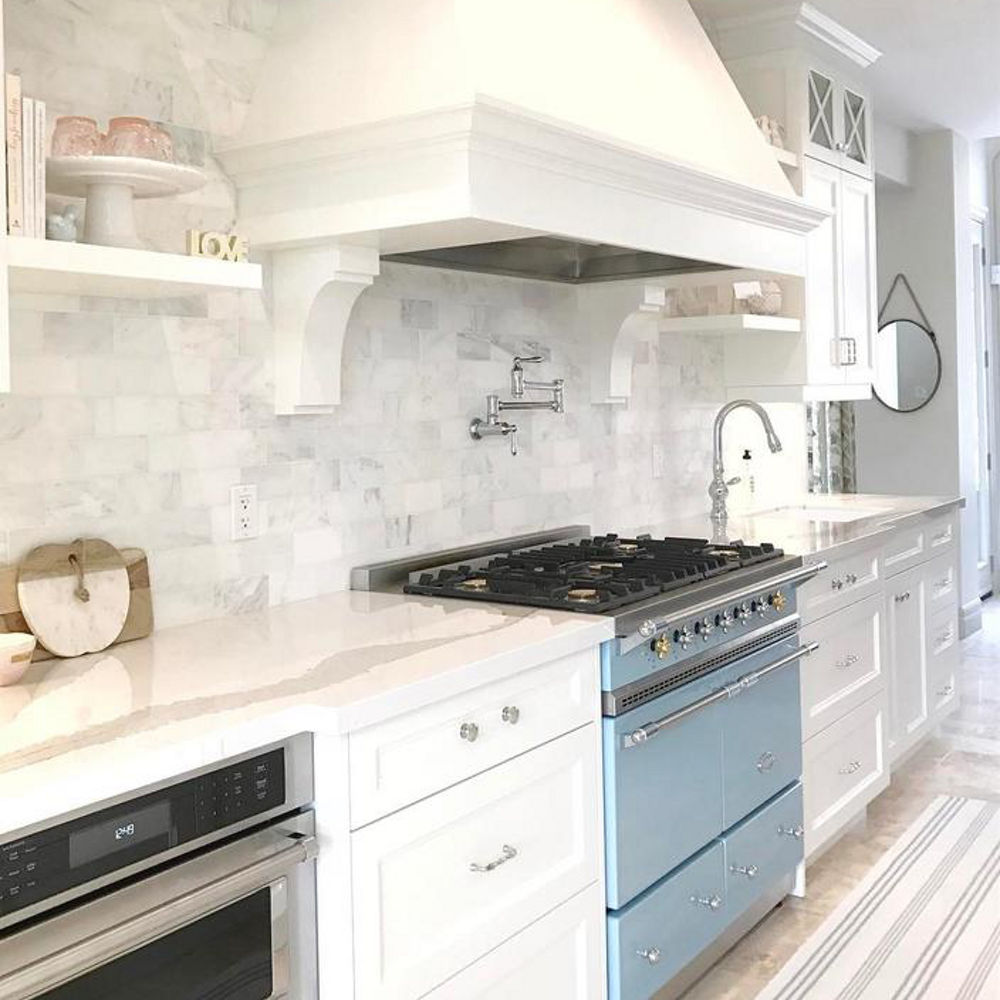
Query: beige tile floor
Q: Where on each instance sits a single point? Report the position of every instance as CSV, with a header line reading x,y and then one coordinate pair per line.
x,y
963,759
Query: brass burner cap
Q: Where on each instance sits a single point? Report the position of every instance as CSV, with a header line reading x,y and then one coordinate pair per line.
x,y
475,583
582,594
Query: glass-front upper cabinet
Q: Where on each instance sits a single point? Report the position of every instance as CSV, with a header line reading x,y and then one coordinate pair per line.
x,y
836,122
822,109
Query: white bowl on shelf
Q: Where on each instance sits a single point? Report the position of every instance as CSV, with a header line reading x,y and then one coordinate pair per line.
x,y
15,656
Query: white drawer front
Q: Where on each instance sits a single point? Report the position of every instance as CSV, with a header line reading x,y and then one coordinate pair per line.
x,y
421,911
559,958
944,656
911,545
848,668
844,768
843,582
419,753
941,576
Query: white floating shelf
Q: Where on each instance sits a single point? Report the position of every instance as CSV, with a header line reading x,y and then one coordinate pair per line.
x,y
53,267
738,323
787,158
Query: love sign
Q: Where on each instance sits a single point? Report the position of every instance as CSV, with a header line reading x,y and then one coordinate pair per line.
x,y
221,246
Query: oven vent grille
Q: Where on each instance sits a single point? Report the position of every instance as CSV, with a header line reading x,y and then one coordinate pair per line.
x,y
639,693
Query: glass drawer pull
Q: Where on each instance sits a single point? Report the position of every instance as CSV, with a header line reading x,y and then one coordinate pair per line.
x,y
749,870
766,761
855,765
511,714
797,831
847,661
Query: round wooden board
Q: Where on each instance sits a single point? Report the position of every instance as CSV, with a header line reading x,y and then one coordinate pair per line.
x,y
46,590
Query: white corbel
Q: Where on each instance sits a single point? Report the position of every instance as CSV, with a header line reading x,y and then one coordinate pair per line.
x,y
313,292
615,316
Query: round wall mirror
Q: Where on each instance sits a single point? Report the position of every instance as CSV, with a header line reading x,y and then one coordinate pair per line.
x,y
907,365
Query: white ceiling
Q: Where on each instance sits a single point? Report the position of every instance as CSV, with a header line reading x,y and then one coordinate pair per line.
x,y
940,66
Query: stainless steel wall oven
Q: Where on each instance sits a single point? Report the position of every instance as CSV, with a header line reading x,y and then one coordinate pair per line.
x,y
199,888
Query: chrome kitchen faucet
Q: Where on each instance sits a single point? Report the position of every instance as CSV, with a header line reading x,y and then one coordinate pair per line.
x,y
718,488
493,425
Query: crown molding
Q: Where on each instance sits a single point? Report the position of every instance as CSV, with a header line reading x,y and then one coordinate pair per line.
x,y
809,19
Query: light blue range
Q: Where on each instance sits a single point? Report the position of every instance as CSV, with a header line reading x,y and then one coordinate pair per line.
x,y
702,769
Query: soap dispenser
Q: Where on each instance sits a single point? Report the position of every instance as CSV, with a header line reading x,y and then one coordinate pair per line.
x,y
748,486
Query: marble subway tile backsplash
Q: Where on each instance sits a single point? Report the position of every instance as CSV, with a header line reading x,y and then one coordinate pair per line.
x,y
132,426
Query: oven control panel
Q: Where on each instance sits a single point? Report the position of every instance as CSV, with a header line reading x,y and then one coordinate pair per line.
x,y
238,792
674,644
72,854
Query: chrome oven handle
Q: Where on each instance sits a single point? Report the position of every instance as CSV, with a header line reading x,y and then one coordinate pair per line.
x,y
650,729
83,956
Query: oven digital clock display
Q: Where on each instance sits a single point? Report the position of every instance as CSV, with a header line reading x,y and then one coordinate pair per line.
x,y
119,834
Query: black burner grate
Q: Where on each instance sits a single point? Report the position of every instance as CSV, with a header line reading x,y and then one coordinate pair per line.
x,y
598,574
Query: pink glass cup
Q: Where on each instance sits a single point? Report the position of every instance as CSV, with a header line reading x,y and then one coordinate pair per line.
x,y
75,135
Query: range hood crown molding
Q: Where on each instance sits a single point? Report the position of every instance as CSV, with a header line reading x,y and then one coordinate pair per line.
x,y
380,184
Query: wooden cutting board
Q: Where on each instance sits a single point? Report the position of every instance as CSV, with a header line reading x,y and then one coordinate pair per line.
x,y
138,622
74,597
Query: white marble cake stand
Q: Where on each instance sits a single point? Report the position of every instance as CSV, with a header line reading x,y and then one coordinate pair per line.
x,y
110,184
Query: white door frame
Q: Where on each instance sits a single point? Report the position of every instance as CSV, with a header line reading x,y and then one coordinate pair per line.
x,y
984,307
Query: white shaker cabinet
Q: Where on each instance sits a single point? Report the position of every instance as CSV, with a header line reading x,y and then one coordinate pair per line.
x,y
886,670
840,283
474,846
907,613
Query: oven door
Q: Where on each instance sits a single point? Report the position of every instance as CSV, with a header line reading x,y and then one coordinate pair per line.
x,y
234,923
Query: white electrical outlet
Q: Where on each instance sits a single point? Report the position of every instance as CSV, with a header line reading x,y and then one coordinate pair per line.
x,y
243,512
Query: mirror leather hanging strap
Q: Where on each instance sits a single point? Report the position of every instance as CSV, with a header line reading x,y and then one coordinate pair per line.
x,y
900,277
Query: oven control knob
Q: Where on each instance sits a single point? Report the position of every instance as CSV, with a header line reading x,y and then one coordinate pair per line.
x,y
647,629
743,612
685,636
726,621
707,627
778,601
762,606
662,646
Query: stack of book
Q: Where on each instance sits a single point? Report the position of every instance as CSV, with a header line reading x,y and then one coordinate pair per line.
x,y
25,127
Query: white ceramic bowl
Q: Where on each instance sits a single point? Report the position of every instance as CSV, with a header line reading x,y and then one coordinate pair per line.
x,y
15,656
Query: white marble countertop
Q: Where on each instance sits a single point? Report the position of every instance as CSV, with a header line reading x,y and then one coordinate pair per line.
x,y
78,731
810,524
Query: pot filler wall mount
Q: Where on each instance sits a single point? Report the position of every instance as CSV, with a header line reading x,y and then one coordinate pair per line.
x,y
493,426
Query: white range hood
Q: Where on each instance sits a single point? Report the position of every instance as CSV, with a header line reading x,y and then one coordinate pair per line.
x,y
386,127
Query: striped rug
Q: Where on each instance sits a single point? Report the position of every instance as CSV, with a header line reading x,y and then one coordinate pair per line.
x,y
924,922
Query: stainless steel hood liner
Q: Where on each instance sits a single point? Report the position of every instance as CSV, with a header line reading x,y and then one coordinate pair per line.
x,y
548,258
